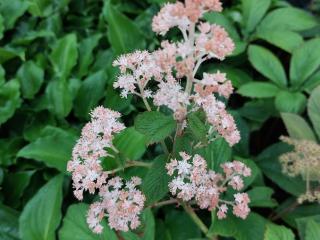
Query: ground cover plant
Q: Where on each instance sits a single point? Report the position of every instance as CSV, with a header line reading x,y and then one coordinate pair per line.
x,y
154,120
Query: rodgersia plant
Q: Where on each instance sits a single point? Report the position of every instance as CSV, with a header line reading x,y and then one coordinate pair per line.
x,y
169,78
303,161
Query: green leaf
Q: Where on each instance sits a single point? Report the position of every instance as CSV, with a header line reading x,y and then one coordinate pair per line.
x,y
86,53
31,77
288,18
253,12
312,230
9,222
258,90
278,232
148,222
305,61
290,102
123,34
7,53
64,55
155,183
11,11
262,197
76,227
312,82
59,96
8,150
14,186
297,127
45,148
91,91
216,153
154,125
197,127
1,26
284,39
9,100
252,228
130,143
271,167
314,109
42,214
265,62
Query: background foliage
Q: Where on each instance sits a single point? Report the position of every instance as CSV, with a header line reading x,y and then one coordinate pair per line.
x,y
55,66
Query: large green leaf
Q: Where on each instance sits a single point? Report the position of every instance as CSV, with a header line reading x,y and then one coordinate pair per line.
x,y
155,183
278,232
312,230
314,109
8,150
288,18
11,11
123,34
91,91
258,90
154,125
42,214
267,64
31,77
297,127
76,227
9,100
309,227
45,148
64,55
290,102
253,12
305,61
9,221
261,197
7,53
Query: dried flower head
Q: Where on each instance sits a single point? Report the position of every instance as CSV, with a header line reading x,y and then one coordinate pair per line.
x,y
193,181
304,160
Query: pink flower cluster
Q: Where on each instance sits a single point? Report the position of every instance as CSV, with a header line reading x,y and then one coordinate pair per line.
x,y
175,62
193,181
122,205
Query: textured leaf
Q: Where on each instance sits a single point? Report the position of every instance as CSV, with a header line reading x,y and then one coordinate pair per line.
x,y
154,125
297,127
91,91
290,102
261,197
155,183
64,55
76,227
31,78
308,227
9,221
278,232
123,34
42,214
305,61
314,109
258,90
253,12
45,148
197,127
313,230
267,64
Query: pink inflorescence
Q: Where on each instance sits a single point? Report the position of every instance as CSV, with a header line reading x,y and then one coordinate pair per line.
x,y
121,203
175,62
193,181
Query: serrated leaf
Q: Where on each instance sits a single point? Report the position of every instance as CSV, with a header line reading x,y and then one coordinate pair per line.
x,y
155,183
278,232
305,61
42,214
76,227
314,109
297,127
265,62
45,148
154,125
258,90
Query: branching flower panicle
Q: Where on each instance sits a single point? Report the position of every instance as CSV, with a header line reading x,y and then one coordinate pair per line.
x,y
304,160
176,62
193,181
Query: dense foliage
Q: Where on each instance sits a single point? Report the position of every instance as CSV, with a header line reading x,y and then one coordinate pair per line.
x,y
56,66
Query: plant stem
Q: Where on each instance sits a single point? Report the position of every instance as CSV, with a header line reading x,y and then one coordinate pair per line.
x,y
130,164
164,203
